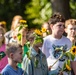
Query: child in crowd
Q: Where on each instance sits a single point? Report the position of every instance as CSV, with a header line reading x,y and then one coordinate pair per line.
x,y
35,63
14,54
71,30
15,23
46,26
54,41
70,25
3,57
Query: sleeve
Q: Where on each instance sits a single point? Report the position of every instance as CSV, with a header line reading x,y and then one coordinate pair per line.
x,y
26,66
44,48
47,71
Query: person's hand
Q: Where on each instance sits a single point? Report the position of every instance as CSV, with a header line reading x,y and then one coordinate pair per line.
x,y
49,68
61,73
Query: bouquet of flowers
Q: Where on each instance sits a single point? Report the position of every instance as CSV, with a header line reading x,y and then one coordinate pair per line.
x,y
70,56
23,25
38,38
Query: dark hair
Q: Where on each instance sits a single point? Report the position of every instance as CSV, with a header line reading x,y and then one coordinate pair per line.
x,y
12,48
56,18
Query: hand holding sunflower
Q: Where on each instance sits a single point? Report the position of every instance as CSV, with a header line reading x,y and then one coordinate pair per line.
x,y
70,56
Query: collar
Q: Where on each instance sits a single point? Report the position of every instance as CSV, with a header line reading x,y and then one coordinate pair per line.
x,y
35,53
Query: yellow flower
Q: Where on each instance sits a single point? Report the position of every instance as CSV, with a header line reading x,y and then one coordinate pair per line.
x,y
68,67
43,30
38,32
73,50
3,22
22,21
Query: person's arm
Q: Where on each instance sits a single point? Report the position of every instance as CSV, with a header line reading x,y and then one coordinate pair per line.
x,y
73,65
27,67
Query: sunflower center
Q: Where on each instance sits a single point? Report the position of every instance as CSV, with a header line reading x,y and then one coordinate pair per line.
x,y
74,50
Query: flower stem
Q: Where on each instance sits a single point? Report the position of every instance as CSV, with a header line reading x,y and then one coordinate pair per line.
x,y
56,60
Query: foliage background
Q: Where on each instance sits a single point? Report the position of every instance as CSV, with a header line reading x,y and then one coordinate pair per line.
x,y
36,12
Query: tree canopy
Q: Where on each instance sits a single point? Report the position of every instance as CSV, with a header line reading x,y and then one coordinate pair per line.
x,y
35,12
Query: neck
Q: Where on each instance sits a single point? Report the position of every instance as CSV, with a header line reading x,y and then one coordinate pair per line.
x,y
12,63
56,36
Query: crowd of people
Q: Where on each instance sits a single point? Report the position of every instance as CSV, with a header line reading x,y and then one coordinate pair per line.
x,y
31,54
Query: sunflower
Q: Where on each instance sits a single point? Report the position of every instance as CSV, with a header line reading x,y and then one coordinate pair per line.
x,y
38,32
73,50
68,67
43,30
3,22
22,21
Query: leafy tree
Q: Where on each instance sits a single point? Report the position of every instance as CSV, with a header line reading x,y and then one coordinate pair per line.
x,y
73,8
10,8
37,12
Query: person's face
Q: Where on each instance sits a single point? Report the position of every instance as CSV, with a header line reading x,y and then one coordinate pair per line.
x,y
45,26
71,30
24,36
38,45
17,56
58,28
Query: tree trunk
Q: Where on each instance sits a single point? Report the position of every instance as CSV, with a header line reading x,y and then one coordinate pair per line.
x,y
61,6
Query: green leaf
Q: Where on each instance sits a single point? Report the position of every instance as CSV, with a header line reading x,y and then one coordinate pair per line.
x,y
20,27
64,67
19,36
68,62
25,25
72,57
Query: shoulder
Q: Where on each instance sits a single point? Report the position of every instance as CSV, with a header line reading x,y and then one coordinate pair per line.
x,y
66,39
5,71
67,42
47,37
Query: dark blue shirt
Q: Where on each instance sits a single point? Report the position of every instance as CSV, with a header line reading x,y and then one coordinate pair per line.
x,y
8,70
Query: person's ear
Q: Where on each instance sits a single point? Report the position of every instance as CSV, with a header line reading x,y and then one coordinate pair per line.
x,y
11,55
51,26
66,30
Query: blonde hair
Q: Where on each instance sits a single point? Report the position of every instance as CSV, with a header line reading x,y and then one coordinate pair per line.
x,y
70,21
17,17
